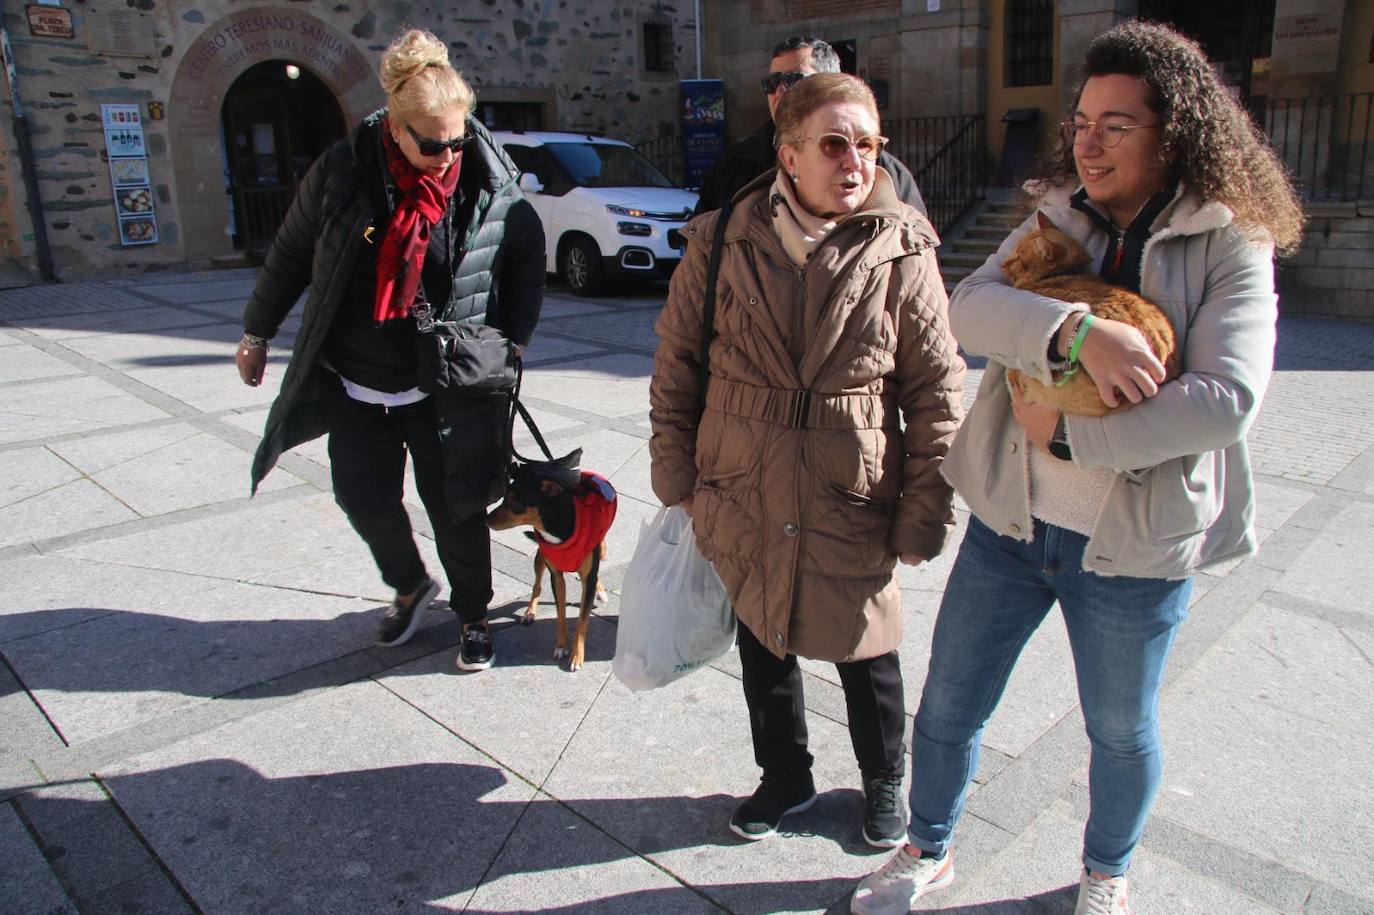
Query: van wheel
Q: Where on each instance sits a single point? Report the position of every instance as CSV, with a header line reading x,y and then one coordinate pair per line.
x,y
581,267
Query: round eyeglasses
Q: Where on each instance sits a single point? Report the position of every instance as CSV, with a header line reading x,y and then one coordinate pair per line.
x,y
1107,135
836,145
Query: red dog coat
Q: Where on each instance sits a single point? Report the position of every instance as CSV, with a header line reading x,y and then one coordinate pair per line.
x,y
593,512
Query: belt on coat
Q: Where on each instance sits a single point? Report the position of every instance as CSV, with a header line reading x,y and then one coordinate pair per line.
x,y
800,409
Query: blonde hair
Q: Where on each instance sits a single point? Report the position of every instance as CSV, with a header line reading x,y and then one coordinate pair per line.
x,y
817,90
418,79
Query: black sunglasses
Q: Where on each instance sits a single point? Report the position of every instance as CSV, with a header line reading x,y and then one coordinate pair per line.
x,y
787,79
436,147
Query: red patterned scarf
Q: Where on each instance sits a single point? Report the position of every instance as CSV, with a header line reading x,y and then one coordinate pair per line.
x,y
423,202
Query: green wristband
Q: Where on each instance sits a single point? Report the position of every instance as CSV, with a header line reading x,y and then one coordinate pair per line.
x,y
1080,333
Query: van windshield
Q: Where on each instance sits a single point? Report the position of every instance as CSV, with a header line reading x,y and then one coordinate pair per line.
x,y
606,165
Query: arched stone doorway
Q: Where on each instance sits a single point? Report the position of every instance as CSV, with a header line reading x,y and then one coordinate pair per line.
x,y
277,118
214,60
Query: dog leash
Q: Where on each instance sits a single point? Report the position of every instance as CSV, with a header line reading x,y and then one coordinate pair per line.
x,y
566,463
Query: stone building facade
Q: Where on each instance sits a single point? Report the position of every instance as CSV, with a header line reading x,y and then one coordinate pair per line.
x,y
204,78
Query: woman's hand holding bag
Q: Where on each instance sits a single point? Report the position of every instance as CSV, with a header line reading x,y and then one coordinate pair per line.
x,y
674,614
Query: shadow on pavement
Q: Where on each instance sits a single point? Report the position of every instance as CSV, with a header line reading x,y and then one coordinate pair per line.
x,y
409,838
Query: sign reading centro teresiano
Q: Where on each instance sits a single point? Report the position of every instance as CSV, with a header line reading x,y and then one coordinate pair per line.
x,y
129,178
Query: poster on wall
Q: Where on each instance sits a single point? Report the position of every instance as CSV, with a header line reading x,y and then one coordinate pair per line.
x,y
703,126
129,178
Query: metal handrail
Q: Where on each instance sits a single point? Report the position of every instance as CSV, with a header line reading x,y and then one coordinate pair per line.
x,y
1327,143
948,158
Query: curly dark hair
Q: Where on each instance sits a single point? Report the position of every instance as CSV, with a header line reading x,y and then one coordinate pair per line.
x,y
1207,137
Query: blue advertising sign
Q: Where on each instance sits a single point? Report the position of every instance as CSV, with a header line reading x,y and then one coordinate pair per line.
x,y
703,126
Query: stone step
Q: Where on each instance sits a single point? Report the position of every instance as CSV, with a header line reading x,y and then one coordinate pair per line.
x,y
984,246
996,233
962,259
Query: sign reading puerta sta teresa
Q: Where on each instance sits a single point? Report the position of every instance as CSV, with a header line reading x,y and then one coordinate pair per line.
x,y
247,37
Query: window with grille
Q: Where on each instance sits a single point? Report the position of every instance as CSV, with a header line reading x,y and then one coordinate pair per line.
x,y
1029,43
658,47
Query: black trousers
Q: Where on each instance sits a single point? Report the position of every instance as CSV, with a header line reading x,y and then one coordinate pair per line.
x,y
367,459
777,710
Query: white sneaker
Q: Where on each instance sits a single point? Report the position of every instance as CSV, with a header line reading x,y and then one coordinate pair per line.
x,y
892,888
1101,896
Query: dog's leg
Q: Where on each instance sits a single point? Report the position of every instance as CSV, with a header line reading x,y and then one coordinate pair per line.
x,y
601,596
560,603
588,572
532,610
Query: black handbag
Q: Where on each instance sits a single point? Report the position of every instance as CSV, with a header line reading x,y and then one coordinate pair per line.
x,y
464,358
472,374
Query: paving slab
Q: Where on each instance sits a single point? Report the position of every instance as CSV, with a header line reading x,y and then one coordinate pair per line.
x,y
611,385
609,326
138,663
196,366
581,870
25,363
352,801
18,305
27,883
524,718
1259,734
668,780
64,406
114,321
1038,873
194,293
177,466
63,508
1326,573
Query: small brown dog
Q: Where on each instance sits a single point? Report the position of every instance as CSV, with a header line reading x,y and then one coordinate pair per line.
x,y
570,520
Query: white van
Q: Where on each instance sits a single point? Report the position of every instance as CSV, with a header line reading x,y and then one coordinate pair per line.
x,y
607,211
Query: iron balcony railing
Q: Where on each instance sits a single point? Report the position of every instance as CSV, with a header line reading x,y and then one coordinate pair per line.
x,y
948,158
1327,142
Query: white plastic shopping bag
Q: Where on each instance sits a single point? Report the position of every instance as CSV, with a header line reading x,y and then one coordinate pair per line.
x,y
674,614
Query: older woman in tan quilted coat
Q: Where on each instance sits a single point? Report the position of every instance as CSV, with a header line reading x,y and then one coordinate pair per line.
x,y
834,394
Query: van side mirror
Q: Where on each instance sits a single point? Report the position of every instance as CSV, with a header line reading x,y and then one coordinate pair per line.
x,y
530,184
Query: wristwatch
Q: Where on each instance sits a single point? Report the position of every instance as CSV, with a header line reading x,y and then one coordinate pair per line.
x,y
1059,441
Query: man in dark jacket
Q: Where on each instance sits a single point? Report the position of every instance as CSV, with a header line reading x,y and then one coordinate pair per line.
x,y
793,60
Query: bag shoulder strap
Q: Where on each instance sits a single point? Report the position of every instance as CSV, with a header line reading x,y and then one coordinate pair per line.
x,y
708,305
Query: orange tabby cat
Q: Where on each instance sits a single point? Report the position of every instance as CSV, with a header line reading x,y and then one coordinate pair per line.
x,y
1044,262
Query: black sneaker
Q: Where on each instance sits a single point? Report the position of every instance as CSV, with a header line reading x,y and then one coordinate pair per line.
x,y
776,797
884,818
477,651
403,617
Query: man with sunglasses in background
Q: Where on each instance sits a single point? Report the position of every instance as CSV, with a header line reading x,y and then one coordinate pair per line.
x,y
793,60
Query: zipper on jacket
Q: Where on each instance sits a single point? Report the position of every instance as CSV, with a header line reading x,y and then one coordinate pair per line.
x,y
1120,253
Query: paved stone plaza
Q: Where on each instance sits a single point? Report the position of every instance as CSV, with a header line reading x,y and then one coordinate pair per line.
x,y
193,717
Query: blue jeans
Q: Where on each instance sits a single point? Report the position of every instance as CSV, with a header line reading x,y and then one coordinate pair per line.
x,y
1120,630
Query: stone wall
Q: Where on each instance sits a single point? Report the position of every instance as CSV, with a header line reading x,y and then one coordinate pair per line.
x,y
1332,276
582,61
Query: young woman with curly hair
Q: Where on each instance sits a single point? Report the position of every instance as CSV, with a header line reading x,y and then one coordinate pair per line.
x,y
1179,199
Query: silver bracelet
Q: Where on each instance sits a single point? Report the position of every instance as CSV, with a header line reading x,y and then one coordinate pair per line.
x,y
252,341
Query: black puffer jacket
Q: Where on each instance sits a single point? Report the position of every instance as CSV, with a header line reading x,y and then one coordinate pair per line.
x,y
755,154
498,276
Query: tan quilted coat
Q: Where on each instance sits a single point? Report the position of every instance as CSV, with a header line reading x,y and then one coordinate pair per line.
x,y
834,395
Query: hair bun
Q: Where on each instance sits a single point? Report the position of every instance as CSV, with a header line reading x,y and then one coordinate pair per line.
x,y
408,55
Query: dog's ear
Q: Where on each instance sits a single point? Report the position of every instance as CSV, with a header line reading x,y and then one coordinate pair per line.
x,y
550,488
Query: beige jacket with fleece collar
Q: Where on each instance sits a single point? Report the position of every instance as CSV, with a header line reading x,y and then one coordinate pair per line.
x,y
1183,497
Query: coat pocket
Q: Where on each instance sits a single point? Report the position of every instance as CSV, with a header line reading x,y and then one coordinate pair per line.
x,y
1186,495
848,532
725,514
